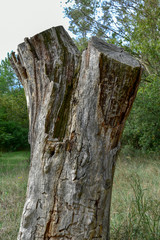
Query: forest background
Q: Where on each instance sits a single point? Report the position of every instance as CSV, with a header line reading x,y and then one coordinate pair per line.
x,y
132,25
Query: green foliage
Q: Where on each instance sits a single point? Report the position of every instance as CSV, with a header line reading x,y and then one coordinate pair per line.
x,y
8,79
13,136
80,13
13,106
13,111
101,18
145,40
142,130
143,126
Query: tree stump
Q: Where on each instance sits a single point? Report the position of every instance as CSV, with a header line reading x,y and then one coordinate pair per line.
x,y
77,106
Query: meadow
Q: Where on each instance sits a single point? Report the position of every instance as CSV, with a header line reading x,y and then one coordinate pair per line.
x,y
135,211
14,169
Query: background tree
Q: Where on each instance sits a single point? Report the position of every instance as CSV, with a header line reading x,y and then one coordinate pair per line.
x,y
8,79
13,110
134,25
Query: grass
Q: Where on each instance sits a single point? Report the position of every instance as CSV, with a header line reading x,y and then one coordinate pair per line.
x,y
13,181
135,212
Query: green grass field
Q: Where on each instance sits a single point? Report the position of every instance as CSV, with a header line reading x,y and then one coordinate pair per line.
x,y
13,181
135,212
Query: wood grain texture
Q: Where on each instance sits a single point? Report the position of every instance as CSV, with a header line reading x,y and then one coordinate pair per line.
x,y
78,106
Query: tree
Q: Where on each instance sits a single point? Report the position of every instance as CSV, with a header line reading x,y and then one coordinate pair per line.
x,y
135,26
77,110
13,110
142,130
102,18
8,79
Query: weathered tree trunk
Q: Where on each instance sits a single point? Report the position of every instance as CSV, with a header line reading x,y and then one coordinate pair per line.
x,y
77,110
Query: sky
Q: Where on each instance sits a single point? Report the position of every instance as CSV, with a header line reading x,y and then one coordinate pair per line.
x,y
25,18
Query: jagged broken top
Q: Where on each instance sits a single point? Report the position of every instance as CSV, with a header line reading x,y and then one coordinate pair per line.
x,y
114,52
110,50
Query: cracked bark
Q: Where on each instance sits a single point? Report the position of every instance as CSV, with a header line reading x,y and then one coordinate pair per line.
x,y
77,109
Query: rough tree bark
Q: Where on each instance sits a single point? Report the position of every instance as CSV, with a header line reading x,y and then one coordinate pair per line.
x,y
77,109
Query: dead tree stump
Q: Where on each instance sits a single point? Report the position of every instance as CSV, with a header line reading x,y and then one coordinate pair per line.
x,y
77,106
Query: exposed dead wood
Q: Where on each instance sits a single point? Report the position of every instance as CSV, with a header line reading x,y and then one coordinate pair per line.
x,y
78,106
